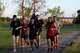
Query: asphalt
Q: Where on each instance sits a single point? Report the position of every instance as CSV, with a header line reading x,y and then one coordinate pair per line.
x,y
65,39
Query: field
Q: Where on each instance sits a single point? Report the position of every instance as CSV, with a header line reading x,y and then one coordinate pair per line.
x,y
6,41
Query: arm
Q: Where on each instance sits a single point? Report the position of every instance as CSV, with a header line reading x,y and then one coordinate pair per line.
x,y
60,25
55,27
20,26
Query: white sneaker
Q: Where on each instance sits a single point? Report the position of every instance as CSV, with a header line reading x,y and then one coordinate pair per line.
x,y
14,50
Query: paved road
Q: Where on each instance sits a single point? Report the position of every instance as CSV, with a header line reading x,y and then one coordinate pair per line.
x,y
65,40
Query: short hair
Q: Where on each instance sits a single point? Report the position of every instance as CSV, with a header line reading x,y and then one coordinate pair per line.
x,y
37,15
50,17
32,19
54,16
14,16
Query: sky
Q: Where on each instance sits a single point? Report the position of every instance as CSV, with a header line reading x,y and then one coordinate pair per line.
x,y
68,6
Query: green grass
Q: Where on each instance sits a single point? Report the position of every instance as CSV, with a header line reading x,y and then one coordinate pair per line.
x,y
6,37
75,48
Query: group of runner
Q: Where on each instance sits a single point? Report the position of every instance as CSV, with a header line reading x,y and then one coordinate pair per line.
x,y
35,28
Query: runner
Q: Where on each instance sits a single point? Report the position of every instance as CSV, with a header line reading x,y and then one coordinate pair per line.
x,y
58,25
50,26
39,24
32,34
15,26
24,33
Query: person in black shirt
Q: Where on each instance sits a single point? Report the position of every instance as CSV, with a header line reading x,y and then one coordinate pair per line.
x,y
32,33
39,24
15,26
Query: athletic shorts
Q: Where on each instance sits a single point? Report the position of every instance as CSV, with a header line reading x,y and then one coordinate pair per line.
x,y
32,36
56,34
50,37
16,32
24,36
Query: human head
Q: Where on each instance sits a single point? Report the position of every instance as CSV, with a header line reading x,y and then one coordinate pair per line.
x,y
55,18
49,19
14,17
38,16
33,15
32,21
24,21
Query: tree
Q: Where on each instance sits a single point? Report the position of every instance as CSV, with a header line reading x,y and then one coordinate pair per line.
x,y
33,7
77,19
1,11
55,11
1,8
78,14
21,6
27,12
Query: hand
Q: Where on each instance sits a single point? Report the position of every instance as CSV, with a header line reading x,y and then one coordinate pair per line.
x,y
58,28
24,29
16,28
51,28
42,25
36,32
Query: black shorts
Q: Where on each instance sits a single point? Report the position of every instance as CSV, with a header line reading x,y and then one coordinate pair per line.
x,y
56,34
32,36
16,32
50,37
24,36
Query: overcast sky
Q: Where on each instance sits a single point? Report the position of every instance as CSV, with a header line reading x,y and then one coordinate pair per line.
x,y
68,6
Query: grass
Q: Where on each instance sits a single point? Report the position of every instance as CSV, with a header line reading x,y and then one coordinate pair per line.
x,y
75,48
5,40
6,37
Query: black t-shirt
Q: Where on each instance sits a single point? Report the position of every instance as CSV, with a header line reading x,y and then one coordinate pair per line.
x,y
15,24
39,24
32,27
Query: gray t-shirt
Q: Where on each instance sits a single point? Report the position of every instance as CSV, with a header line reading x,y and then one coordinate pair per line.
x,y
58,24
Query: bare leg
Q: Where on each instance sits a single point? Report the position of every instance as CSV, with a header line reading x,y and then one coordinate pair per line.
x,y
48,43
26,41
38,40
56,41
17,40
14,43
22,42
35,43
52,45
31,43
